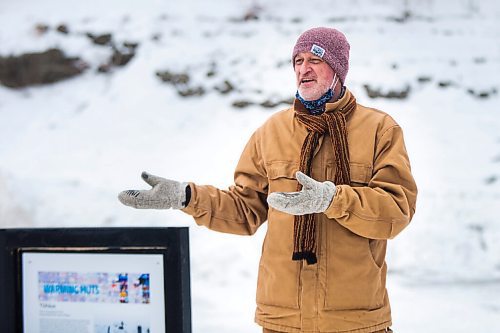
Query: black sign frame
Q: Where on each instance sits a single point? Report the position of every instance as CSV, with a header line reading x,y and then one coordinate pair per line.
x,y
172,243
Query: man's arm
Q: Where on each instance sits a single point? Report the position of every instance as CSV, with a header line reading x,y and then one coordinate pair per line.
x,y
239,210
384,208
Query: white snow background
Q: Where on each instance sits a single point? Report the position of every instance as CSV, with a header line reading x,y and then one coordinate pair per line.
x,y
67,149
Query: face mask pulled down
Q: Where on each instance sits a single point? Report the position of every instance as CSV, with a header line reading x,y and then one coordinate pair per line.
x,y
317,106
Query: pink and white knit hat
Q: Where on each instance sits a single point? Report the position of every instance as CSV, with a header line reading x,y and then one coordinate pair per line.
x,y
329,44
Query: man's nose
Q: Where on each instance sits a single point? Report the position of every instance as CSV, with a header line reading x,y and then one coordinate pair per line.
x,y
304,68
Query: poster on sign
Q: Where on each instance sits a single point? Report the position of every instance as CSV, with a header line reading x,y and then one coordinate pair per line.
x,y
92,292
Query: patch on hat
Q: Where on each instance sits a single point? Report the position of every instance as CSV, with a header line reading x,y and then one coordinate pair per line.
x,y
317,50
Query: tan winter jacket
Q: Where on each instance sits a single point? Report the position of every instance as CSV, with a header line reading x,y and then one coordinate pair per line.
x,y
345,291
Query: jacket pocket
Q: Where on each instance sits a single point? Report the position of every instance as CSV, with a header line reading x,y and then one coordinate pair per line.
x,y
278,281
378,249
360,174
355,271
281,176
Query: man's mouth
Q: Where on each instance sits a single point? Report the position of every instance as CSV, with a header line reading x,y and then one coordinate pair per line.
x,y
306,81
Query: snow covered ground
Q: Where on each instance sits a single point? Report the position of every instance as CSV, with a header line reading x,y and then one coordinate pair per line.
x,y
68,148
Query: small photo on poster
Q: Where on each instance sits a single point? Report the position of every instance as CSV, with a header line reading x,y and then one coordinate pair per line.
x,y
95,287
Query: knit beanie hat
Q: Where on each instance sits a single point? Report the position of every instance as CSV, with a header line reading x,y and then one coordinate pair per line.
x,y
328,44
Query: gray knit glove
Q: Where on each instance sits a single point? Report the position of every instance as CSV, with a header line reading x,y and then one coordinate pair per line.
x,y
165,194
315,197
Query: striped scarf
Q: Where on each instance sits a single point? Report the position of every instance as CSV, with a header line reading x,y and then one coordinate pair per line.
x,y
332,123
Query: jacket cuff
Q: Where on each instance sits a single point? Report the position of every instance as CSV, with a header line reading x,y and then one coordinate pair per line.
x,y
334,210
190,199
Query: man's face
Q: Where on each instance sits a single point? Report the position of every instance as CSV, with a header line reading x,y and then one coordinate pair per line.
x,y
313,76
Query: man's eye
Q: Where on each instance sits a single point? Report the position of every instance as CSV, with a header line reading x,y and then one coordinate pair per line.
x,y
298,61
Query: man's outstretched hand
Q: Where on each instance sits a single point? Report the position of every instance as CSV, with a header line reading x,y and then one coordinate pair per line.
x,y
315,197
165,194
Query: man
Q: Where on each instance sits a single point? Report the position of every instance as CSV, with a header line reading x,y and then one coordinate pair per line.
x,y
333,180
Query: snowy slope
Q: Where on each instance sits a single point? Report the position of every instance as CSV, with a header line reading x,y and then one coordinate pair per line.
x,y
68,148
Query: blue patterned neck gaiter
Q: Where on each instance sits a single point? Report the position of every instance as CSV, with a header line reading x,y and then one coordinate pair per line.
x,y
316,107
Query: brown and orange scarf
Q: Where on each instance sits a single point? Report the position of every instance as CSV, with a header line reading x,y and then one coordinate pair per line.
x,y
332,123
